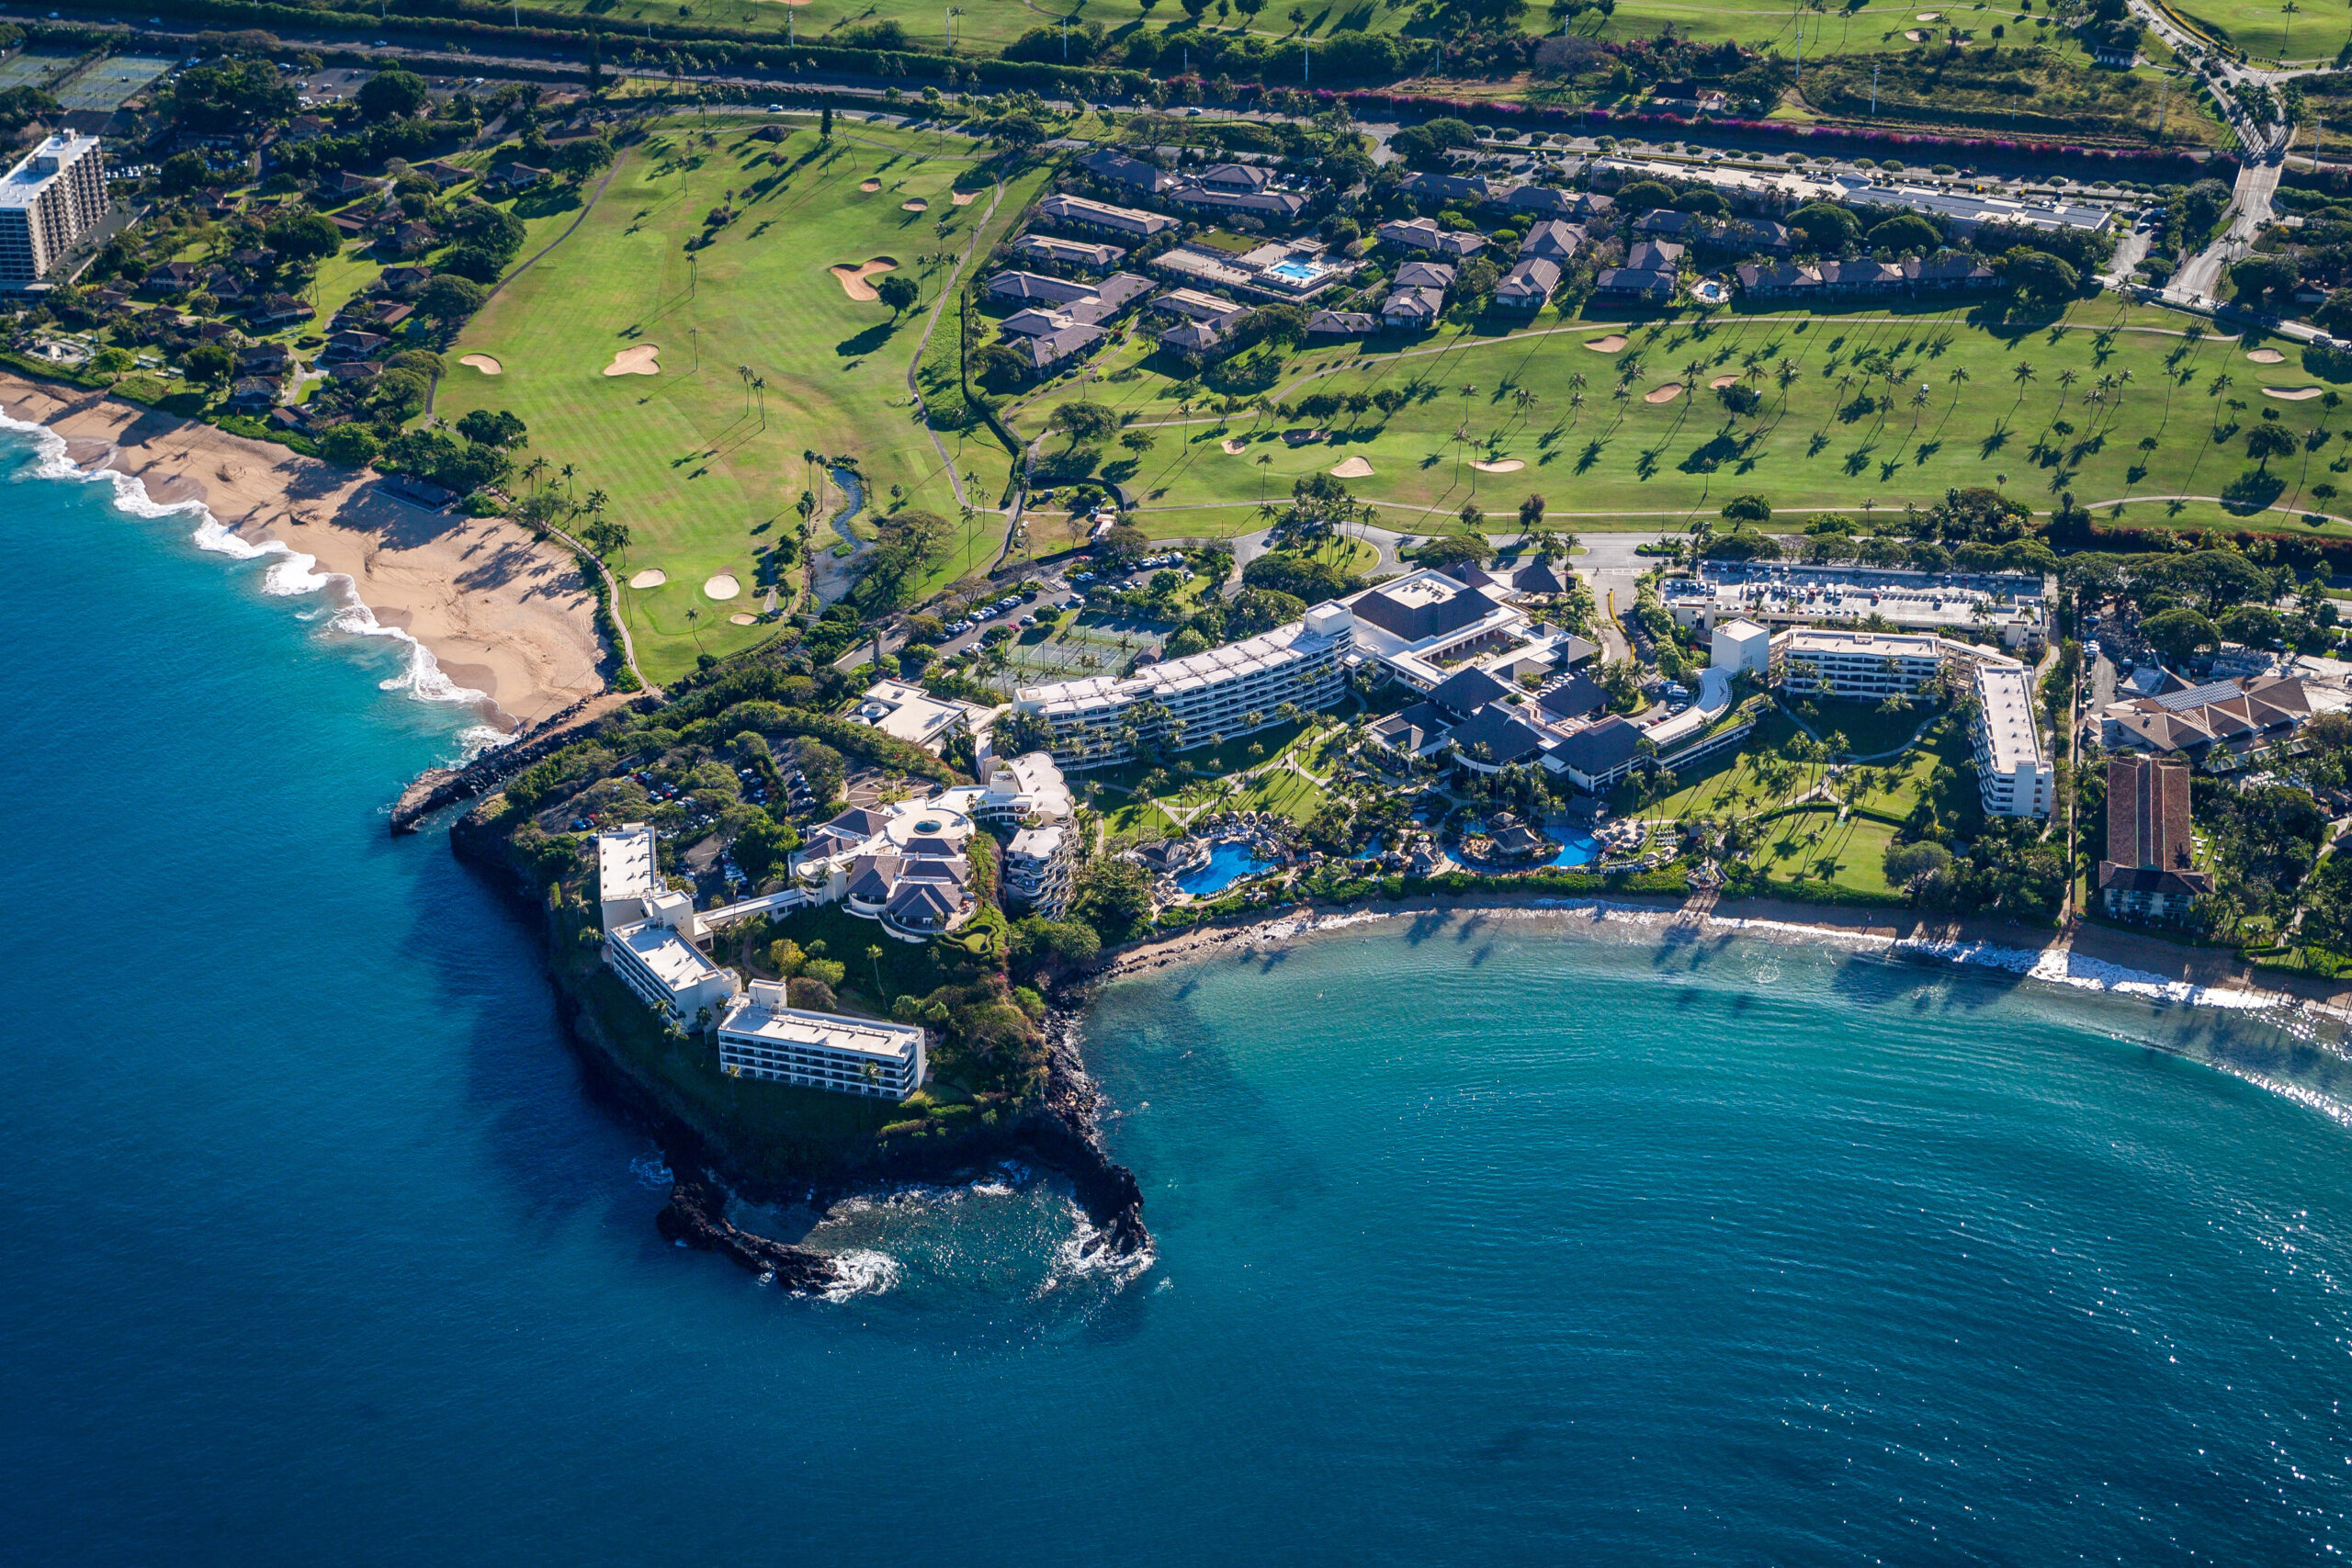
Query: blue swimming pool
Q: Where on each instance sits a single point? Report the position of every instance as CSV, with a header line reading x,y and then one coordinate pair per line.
x,y
1230,859
1577,847
1297,271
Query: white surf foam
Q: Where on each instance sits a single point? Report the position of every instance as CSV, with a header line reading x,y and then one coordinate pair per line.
x,y
863,1272
290,574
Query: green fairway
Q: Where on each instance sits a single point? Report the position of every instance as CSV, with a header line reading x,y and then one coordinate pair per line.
x,y
1834,431
703,469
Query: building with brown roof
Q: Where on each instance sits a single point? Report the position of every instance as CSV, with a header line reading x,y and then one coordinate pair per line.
x,y
2239,714
2150,872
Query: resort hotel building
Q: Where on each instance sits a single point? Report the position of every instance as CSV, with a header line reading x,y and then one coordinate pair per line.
x,y
2013,606
55,194
650,931
2013,773
763,1037
1187,702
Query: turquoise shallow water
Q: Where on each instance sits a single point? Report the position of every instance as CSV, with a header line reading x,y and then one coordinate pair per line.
x,y
1519,1240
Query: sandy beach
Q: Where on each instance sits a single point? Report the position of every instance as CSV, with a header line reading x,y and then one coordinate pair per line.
x,y
2097,954
502,614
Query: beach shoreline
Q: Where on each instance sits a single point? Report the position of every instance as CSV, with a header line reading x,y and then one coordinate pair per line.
x,y
2087,956
500,622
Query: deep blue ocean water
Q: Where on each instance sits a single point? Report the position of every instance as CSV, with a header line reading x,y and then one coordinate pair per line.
x,y
1530,1240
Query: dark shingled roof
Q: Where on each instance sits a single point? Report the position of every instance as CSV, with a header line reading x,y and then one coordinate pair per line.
x,y
1507,736
1606,745
1578,696
1469,691
1414,622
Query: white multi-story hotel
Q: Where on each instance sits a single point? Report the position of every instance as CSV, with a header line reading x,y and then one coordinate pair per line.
x,y
1209,695
1027,788
2013,776
650,931
56,193
763,1037
1868,666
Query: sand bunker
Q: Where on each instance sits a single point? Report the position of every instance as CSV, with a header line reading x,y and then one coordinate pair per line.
x,y
1304,438
741,619
1929,17
1609,344
870,184
2292,394
966,197
1664,394
652,576
1915,35
483,363
1720,383
2266,357
855,280
1353,469
917,205
723,586
1500,466
638,359
1234,446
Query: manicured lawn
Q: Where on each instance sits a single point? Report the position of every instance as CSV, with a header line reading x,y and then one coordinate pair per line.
x,y
705,479
1816,845
1814,445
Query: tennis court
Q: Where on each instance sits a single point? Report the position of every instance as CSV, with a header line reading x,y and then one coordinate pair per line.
x,y
30,68
103,87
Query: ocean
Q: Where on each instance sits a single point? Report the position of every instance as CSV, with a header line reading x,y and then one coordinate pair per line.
x,y
1509,1239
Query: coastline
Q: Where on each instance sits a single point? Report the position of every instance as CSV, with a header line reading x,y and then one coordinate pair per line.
x,y
2088,958
494,619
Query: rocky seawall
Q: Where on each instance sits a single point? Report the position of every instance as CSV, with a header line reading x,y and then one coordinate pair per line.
x,y
1060,1132
438,787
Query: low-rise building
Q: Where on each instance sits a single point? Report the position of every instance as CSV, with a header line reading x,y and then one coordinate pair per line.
x,y
2014,777
2238,716
1555,241
1529,284
904,865
1425,235
1104,163
2150,872
1743,647
1069,253
907,711
1078,212
763,1036
651,931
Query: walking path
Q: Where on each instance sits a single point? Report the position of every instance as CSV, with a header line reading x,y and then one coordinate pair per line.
x,y
923,345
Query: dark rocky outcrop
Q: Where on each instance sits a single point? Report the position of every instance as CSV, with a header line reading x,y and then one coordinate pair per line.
x,y
697,1215
436,788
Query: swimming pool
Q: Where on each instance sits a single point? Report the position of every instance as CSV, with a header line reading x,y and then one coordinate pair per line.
x,y
1577,847
1230,859
1297,271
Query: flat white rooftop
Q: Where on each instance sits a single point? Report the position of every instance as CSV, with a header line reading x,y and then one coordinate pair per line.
x,y
37,168
670,957
756,1018
2007,698
628,863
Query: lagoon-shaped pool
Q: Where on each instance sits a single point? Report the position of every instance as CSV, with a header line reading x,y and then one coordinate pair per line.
x,y
1577,847
1229,861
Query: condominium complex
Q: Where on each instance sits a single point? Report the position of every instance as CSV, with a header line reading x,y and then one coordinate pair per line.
x,y
2150,872
1038,865
1186,703
2013,775
1872,666
2011,606
54,196
761,1037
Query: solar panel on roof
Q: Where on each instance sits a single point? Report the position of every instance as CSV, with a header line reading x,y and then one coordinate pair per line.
x,y
2198,696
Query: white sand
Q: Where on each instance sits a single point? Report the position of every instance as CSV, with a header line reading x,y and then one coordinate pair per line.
x,y
483,363
1353,469
742,619
1609,344
2292,394
870,184
1720,383
1235,445
963,198
1500,466
638,359
2266,357
652,576
915,205
1664,394
722,587
855,280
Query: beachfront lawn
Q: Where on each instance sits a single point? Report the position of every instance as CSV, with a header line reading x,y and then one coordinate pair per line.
x,y
1810,845
1542,410
704,472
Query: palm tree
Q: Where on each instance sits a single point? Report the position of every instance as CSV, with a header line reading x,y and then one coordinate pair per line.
x,y
1958,378
568,470
760,386
2220,384
874,956
2022,371
2065,379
